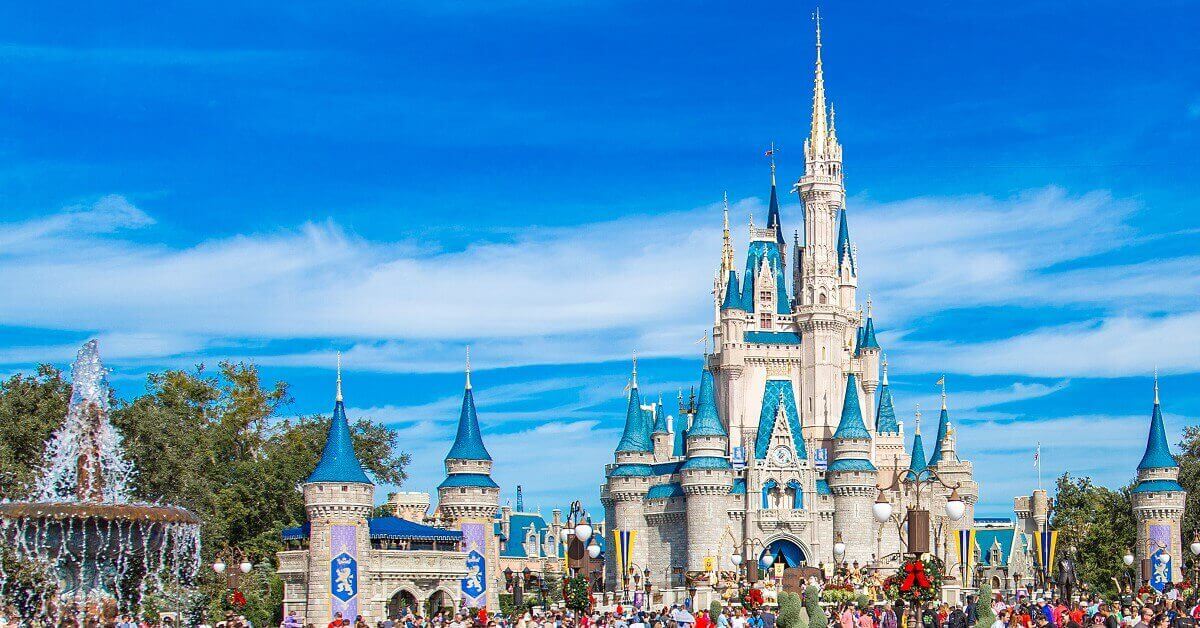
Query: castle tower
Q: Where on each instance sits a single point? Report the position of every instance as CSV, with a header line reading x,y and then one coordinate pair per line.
x,y
661,436
469,499
851,478
1158,501
706,477
825,311
869,352
628,483
889,434
338,499
954,472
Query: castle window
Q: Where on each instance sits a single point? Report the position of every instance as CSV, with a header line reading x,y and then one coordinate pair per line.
x,y
765,320
823,299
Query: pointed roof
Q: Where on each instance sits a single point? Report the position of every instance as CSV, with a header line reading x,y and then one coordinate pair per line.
x,y
637,429
338,461
943,428
843,244
773,211
851,425
869,341
660,418
1158,453
858,340
817,131
733,293
707,421
917,468
885,415
776,391
468,442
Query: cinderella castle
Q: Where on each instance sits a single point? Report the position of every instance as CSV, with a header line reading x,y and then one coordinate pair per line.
x,y
794,426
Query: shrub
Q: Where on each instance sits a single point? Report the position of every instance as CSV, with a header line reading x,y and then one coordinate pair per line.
x,y
816,614
984,617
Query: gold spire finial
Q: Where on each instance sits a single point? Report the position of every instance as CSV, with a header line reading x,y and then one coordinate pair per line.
x,y
942,383
884,365
868,305
468,367
918,415
338,397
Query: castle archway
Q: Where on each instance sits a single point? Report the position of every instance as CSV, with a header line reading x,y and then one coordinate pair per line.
x,y
786,552
401,603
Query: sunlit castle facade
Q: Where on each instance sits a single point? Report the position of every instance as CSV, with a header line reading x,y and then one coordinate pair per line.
x,y
794,427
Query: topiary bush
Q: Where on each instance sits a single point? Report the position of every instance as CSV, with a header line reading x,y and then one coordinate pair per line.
x,y
984,616
789,610
816,614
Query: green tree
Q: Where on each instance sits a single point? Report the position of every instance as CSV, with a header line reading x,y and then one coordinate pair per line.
x,y
984,616
1096,523
31,408
791,610
816,615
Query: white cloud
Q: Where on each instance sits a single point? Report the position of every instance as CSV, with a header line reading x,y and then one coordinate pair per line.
x,y
599,291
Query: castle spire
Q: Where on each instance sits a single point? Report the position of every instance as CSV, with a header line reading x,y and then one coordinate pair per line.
x,y
1158,452
338,395
943,427
726,242
773,221
468,367
817,132
338,461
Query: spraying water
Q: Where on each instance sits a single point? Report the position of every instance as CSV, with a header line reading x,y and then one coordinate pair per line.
x,y
104,551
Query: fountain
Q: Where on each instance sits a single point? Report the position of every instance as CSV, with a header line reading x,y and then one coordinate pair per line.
x,y
104,549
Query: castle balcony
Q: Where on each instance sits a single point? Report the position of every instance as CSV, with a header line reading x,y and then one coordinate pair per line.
x,y
791,520
419,564
292,562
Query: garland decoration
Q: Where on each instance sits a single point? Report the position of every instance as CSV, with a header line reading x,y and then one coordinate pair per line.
x,y
917,581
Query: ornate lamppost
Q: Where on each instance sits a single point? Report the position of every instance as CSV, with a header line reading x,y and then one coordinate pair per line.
x,y
1195,547
745,557
575,534
232,556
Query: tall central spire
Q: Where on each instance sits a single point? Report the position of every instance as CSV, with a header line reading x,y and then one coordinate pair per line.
x,y
817,133
726,243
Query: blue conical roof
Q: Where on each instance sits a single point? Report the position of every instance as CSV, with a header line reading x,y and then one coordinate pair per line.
x,y
338,462
869,341
943,425
858,340
885,416
707,422
468,442
851,425
843,244
1158,453
733,293
660,418
773,215
637,429
917,468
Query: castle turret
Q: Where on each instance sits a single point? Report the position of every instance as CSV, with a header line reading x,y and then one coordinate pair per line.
x,y
955,473
869,354
629,481
889,436
1158,501
338,499
852,478
938,455
469,499
706,477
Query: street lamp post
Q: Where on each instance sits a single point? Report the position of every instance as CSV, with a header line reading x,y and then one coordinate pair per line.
x,y
745,557
575,534
233,564
1195,547
1128,560
916,519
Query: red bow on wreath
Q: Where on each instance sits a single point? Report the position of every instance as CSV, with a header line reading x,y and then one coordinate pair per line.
x,y
914,573
237,599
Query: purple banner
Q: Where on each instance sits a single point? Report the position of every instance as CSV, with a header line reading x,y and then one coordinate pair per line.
x,y
1160,555
343,571
474,586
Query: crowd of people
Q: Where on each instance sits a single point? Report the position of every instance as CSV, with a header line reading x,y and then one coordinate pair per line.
x,y
1162,611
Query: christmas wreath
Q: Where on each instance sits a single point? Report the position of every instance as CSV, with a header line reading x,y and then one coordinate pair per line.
x,y
917,580
752,598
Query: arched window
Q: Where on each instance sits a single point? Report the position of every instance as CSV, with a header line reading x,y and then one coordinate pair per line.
x,y
823,299
767,489
796,494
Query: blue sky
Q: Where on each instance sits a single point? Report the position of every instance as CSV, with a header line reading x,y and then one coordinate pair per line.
x,y
542,180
